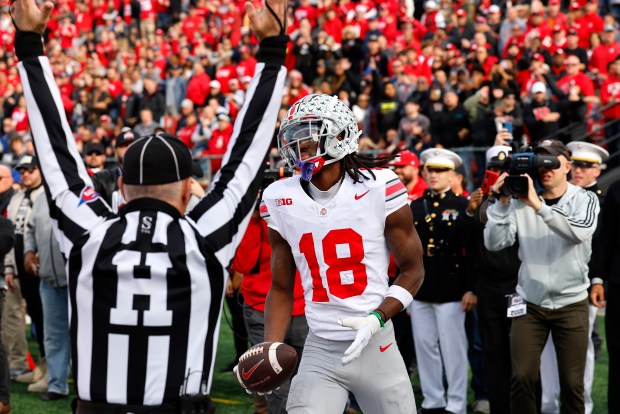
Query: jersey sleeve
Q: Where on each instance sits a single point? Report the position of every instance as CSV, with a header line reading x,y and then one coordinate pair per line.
x,y
269,213
74,204
223,214
395,192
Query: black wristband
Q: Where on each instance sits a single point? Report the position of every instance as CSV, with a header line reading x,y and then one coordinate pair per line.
x,y
272,50
28,44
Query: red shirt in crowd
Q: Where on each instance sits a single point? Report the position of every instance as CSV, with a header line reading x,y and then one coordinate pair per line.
x,y
417,190
307,12
20,118
67,32
147,10
217,146
334,29
253,260
581,79
185,134
589,23
190,26
224,74
198,88
611,90
246,67
602,55
84,22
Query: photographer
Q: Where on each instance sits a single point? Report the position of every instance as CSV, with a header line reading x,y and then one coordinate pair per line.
x,y
554,234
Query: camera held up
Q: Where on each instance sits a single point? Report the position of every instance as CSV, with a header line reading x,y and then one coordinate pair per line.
x,y
523,161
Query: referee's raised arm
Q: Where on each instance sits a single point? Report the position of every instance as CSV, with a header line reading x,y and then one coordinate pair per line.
x,y
233,194
74,204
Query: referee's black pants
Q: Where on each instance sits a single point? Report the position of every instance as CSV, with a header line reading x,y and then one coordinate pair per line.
x,y
30,291
495,334
612,329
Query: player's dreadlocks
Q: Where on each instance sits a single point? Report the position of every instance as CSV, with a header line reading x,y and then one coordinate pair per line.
x,y
353,164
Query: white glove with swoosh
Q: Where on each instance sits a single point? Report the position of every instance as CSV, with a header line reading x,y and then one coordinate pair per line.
x,y
366,327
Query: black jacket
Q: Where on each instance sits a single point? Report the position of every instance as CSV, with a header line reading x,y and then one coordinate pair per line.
x,y
106,182
444,232
7,239
450,123
609,251
595,265
493,268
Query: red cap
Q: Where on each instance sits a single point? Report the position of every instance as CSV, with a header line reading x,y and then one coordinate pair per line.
x,y
405,158
159,32
538,57
481,20
461,13
559,51
554,2
574,6
557,28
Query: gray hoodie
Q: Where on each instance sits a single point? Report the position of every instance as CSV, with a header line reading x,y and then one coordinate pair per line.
x,y
40,238
554,245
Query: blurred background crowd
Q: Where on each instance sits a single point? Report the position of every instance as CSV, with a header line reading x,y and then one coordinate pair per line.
x,y
416,74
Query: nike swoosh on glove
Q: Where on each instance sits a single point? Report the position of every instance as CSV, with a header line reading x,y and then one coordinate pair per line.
x,y
366,327
236,371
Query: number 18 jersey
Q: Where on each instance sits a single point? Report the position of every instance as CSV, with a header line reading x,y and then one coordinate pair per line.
x,y
339,248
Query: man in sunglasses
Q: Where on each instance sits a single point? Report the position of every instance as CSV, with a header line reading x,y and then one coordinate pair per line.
x,y
586,162
94,157
19,280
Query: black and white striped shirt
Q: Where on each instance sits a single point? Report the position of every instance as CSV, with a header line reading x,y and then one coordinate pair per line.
x,y
146,286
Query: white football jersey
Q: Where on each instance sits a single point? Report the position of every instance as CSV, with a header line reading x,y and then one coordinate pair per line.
x,y
339,248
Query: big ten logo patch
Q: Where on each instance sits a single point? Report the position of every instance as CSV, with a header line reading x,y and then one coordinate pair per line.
x,y
284,202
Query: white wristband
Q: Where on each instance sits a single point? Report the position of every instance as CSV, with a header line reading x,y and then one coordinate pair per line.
x,y
401,294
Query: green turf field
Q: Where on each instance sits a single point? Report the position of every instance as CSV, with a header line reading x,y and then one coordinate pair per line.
x,y
231,399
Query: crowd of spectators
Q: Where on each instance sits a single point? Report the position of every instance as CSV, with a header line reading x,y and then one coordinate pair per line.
x,y
416,74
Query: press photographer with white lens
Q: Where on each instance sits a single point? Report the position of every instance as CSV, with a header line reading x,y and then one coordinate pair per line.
x,y
554,231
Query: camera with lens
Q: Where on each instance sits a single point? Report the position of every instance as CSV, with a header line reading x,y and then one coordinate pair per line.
x,y
523,161
275,174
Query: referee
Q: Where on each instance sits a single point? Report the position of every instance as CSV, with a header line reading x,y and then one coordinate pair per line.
x,y
146,286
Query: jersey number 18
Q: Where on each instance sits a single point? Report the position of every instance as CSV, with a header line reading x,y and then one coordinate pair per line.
x,y
336,265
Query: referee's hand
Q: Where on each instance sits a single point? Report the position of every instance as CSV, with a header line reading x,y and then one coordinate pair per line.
x,y
30,17
266,23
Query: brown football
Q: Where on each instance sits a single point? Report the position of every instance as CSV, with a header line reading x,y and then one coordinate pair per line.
x,y
265,366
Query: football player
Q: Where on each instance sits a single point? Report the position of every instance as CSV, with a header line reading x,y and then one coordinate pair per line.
x,y
337,222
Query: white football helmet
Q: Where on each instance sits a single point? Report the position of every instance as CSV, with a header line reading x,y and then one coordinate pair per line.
x,y
318,119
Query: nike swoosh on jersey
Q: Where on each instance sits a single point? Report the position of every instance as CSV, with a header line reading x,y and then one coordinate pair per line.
x,y
357,197
247,375
383,348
